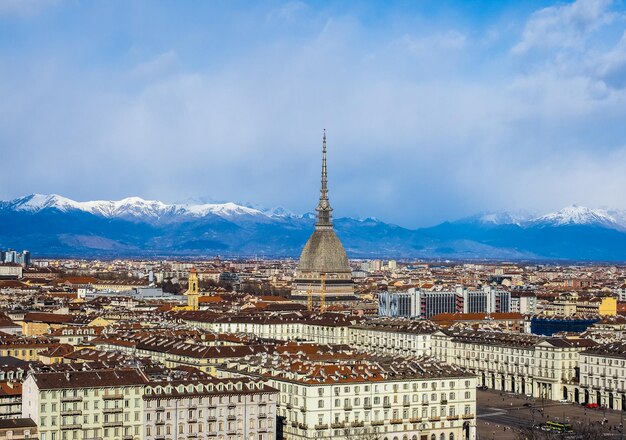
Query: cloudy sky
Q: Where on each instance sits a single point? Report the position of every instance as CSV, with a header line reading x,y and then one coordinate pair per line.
x,y
434,109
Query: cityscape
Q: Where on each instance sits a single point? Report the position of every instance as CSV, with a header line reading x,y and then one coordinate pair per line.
x,y
483,300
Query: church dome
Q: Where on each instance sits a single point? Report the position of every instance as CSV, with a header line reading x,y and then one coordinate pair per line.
x,y
324,253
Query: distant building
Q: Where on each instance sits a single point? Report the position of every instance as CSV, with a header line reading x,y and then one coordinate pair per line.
x,y
11,256
418,303
524,303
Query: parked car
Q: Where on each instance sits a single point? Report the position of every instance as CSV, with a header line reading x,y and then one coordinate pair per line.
x,y
592,405
563,401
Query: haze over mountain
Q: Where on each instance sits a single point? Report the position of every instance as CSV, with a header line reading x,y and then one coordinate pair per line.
x,y
53,225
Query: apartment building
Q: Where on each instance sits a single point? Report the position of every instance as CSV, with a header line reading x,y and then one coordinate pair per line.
x,y
602,377
415,303
523,364
151,403
340,395
86,404
228,409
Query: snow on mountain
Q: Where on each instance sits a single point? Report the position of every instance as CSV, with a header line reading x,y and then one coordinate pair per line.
x,y
578,215
498,218
130,207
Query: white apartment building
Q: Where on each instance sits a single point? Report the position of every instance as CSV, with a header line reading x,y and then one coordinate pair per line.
x,y
602,377
523,364
85,404
228,409
342,396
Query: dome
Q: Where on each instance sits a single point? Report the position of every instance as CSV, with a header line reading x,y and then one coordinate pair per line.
x,y
324,253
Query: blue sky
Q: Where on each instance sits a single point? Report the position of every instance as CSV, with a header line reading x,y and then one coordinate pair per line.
x,y
434,109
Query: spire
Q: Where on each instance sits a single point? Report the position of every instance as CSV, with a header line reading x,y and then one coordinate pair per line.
x,y
323,207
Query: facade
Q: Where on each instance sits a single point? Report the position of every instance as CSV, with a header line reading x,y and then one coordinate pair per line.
x,y
86,404
522,364
18,429
129,404
415,303
210,408
602,376
340,397
524,303
323,272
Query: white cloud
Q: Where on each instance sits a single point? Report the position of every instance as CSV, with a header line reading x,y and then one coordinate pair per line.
x,y
611,67
563,26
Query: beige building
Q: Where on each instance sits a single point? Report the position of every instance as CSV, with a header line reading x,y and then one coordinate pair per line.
x,y
228,409
523,364
342,395
103,404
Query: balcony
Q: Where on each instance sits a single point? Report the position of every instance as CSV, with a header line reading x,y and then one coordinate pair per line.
x,y
303,426
113,410
321,427
212,433
434,419
347,407
395,421
424,403
211,419
386,405
378,422
367,406
337,425
231,417
117,396
468,416
159,422
415,420
160,408
357,424
444,402
113,424
288,406
406,404
71,399
72,412
453,417
72,426
262,416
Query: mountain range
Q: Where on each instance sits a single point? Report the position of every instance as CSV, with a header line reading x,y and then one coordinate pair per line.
x,y
52,225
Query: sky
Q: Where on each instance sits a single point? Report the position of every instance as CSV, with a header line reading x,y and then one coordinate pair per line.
x,y
434,110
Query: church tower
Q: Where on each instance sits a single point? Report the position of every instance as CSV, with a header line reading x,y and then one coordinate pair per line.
x,y
193,291
323,273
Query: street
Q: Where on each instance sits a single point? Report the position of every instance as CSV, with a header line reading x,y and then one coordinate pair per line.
x,y
499,415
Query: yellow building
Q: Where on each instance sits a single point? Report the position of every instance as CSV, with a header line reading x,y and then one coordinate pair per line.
x,y
192,293
608,306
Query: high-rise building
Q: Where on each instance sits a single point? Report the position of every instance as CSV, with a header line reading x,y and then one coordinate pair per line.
x,y
424,304
323,268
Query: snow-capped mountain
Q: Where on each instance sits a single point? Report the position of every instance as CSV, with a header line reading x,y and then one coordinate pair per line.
x,y
130,207
53,225
499,218
580,215
569,216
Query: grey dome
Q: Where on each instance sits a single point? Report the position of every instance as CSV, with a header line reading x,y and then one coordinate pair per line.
x,y
324,253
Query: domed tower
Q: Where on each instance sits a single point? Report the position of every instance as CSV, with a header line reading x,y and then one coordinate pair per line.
x,y
323,263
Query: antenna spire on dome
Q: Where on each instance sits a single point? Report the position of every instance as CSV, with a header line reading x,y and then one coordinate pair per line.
x,y
323,207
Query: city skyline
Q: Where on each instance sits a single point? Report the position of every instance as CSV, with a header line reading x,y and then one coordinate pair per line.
x,y
434,111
